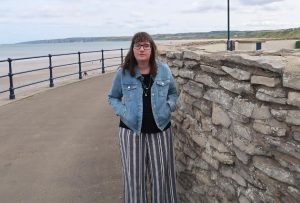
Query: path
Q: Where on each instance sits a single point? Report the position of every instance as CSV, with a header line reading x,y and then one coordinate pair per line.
x,y
61,146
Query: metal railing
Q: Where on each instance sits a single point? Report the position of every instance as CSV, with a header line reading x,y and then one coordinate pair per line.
x,y
51,79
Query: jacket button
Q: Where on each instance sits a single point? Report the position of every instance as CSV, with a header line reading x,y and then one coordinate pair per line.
x,y
128,87
162,83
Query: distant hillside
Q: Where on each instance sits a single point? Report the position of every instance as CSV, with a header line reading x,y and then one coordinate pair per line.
x,y
292,33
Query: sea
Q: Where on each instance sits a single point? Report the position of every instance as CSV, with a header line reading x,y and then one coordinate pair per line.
x,y
28,50
40,65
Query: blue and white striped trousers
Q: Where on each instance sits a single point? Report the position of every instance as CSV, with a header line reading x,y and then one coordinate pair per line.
x,y
152,154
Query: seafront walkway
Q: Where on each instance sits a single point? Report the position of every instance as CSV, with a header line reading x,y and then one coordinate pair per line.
x,y
61,145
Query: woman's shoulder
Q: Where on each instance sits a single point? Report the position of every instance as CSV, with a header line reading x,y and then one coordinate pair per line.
x,y
164,67
120,70
119,73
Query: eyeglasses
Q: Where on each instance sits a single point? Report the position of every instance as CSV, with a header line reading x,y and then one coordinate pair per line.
x,y
145,46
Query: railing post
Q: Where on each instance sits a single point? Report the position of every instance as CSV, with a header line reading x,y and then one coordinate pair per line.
x,y
79,65
11,84
50,69
121,56
102,59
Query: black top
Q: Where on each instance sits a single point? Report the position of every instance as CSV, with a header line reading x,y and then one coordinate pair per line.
x,y
148,122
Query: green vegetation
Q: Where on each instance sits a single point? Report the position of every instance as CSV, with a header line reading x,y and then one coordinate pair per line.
x,y
292,33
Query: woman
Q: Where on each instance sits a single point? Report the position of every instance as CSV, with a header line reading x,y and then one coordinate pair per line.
x,y
148,92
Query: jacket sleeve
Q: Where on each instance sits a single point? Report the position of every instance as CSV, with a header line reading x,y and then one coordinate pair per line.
x,y
172,93
115,94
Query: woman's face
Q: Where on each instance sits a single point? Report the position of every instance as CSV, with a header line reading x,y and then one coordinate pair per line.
x,y
142,51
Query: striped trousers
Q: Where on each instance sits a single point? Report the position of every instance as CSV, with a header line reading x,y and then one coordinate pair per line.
x,y
148,155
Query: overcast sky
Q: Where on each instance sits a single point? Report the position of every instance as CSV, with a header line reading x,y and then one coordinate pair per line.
x,y
49,19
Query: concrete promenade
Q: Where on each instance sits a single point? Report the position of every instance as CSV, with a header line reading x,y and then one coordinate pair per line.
x,y
61,145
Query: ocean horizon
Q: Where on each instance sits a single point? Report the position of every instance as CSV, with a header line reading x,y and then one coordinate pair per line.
x,y
28,50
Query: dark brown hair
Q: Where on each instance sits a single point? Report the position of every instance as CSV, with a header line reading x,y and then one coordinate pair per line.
x,y
130,61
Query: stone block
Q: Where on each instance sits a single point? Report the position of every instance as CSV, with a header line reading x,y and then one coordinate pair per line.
x,y
180,80
229,173
261,112
296,133
293,117
198,162
242,106
294,99
210,160
224,158
287,161
170,54
189,64
237,73
279,114
201,139
287,147
270,168
219,96
273,92
229,193
248,147
237,87
178,55
206,124
267,81
242,130
291,74
206,80
243,199
276,95
220,117
270,127
185,73
242,156
291,80
264,97
294,192
211,69
177,63
238,117
219,146
204,177
204,106
274,64
191,55
193,88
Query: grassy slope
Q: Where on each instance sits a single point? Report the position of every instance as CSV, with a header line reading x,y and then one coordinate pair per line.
x,y
292,33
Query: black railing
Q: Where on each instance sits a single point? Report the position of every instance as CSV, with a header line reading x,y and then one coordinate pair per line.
x,y
51,79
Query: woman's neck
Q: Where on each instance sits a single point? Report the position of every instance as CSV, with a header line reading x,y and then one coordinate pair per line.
x,y
144,67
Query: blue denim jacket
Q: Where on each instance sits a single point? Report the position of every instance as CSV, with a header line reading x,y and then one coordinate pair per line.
x,y
129,89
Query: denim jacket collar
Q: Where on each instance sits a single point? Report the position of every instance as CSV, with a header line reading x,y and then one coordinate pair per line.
x,y
138,72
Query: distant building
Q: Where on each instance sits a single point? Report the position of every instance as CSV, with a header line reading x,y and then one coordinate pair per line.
x,y
249,45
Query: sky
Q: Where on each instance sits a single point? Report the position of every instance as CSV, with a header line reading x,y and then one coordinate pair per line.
x,y
51,19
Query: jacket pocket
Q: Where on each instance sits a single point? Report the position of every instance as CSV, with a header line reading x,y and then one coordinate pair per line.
x,y
163,87
128,91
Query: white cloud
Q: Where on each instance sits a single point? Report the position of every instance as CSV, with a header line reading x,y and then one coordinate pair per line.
x,y
258,2
67,18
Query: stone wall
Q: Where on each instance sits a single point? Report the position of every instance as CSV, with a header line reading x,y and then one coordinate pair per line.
x,y
236,125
